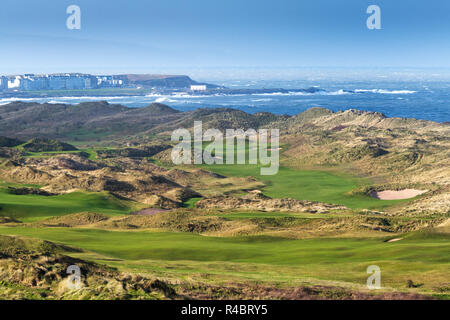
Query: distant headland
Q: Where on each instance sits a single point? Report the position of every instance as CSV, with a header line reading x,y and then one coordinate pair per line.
x,y
81,84
81,81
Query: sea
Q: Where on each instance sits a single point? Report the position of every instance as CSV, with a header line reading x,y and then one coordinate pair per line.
x,y
427,100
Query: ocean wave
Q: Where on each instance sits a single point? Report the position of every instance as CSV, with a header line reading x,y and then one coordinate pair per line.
x,y
152,95
93,98
262,100
184,97
383,91
302,93
281,94
335,93
164,99
9,100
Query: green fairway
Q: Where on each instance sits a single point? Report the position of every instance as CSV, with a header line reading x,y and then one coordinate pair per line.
x,y
49,154
313,185
190,203
34,207
329,259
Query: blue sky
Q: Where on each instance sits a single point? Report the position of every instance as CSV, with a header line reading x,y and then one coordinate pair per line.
x,y
170,35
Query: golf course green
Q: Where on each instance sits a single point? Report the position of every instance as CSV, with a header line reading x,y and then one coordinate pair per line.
x,y
312,185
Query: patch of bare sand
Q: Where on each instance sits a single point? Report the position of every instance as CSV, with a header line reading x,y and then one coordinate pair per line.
x,y
397,194
394,240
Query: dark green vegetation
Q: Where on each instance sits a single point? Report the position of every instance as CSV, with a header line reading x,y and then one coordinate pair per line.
x,y
9,142
46,145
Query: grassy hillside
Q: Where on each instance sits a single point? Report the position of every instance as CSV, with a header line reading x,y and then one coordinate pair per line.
x,y
84,121
35,207
46,145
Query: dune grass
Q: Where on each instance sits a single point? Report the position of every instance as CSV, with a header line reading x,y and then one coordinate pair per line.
x,y
273,215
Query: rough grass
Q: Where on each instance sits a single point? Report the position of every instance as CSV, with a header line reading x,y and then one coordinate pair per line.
x,y
239,215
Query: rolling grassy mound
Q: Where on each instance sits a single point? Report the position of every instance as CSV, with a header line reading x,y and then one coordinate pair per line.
x,y
35,207
72,220
46,145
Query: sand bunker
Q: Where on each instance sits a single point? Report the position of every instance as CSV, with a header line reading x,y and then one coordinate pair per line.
x,y
396,195
394,240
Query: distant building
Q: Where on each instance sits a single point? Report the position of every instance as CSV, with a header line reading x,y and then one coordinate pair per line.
x,y
112,81
33,83
90,82
14,82
56,83
198,87
75,82
3,83
105,81
63,81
